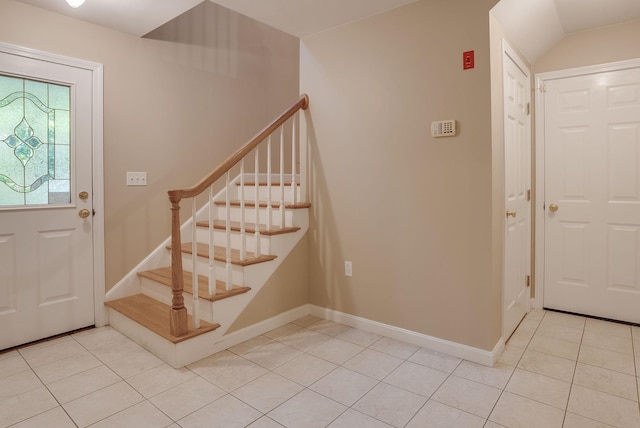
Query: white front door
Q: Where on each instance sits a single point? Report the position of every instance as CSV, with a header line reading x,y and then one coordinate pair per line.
x,y
592,194
517,183
46,199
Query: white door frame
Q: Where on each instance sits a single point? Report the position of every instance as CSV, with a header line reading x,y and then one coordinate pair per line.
x,y
541,79
97,160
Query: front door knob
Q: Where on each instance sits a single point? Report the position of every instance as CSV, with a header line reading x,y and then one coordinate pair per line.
x,y
84,213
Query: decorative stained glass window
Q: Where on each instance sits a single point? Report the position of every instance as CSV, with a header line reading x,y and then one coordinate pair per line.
x,y
35,150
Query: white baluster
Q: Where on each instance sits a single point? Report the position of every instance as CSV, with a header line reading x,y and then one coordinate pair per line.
x,y
243,238
194,268
304,160
282,176
294,143
269,209
257,202
228,233
212,268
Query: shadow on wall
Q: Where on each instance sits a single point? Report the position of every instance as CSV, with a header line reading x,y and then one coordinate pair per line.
x,y
325,249
205,37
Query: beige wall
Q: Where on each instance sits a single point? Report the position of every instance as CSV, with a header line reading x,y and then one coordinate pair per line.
x,y
413,213
596,46
175,110
286,289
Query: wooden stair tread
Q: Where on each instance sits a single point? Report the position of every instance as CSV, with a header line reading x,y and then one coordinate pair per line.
x,y
163,276
220,254
249,227
263,204
154,315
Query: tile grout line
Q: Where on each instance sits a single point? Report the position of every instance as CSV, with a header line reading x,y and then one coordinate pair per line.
x,y
573,376
403,360
122,379
307,388
636,358
48,390
514,370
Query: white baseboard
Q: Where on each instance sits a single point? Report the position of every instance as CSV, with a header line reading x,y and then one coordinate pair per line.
x,y
480,356
242,335
476,355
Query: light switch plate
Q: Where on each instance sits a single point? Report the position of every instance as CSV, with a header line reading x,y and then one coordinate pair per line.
x,y
136,178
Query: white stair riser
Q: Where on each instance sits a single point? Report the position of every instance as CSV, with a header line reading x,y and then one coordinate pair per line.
x,y
263,193
202,265
163,294
220,213
220,239
209,311
292,216
176,355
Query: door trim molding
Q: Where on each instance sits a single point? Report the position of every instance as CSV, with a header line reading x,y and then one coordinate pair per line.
x,y
97,127
541,79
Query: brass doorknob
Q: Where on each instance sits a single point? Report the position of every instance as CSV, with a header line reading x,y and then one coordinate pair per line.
x,y
83,195
511,214
84,213
553,208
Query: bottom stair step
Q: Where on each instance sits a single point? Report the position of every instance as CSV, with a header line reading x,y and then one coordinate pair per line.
x,y
154,316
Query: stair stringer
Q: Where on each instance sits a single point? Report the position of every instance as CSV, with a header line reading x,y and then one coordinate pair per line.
x,y
224,312
131,284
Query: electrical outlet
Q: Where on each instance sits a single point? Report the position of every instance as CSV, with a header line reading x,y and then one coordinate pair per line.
x,y
136,178
348,269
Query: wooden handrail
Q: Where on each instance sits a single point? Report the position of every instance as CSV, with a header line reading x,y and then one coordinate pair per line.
x,y
179,194
178,316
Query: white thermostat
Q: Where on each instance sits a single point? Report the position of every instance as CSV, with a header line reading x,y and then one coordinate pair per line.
x,y
443,128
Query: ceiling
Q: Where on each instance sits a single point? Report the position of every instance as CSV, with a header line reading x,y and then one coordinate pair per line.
x,y
136,17
533,25
296,17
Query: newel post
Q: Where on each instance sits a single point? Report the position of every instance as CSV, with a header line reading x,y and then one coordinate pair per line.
x,y
178,315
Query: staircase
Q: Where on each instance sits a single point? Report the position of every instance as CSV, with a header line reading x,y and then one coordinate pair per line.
x,y
237,239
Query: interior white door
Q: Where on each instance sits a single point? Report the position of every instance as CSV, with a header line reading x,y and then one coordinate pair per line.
x,y
592,194
46,241
517,177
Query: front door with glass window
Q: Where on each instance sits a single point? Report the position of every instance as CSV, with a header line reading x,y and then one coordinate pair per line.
x,y
46,240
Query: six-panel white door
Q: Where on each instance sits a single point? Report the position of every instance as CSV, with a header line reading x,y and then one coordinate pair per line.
x,y
592,194
46,249
517,181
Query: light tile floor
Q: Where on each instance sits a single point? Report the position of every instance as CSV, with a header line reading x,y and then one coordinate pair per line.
x,y
557,370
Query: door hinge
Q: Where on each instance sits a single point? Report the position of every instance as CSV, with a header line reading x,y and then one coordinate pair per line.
x,y
93,212
528,195
528,109
542,88
528,280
